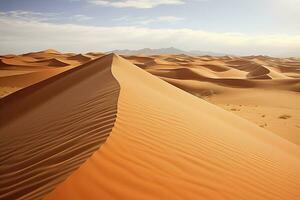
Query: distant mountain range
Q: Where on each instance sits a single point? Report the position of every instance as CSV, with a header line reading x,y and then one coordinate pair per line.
x,y
171,50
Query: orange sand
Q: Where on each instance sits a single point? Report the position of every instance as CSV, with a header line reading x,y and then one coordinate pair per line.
x,y
167,144
257,88
164,143
50,128
20,71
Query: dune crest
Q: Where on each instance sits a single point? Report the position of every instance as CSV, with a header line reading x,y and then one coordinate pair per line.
x,y
163,142
20,71
50,128
167,144
80,58
52,62
246,86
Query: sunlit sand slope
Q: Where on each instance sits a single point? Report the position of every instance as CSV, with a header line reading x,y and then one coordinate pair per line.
x,y
262,89
168,144
20,71
49,129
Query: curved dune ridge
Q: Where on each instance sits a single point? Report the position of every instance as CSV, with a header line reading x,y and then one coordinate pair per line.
x,y
52,62
49,129
251,67
20,71
24,61
43,54
163,142
168,144
80,57
257,88
25,79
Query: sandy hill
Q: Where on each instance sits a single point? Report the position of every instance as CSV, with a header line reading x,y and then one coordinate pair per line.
x,y
51,51
19,71
262,89
47,51
52,62
50,128
95,54
165,145
80,58
160,142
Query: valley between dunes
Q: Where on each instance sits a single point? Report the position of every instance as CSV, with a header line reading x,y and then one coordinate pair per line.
x,y
96,126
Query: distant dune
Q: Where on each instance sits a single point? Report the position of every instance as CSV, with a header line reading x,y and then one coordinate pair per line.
x,y
19,71
50,128
149,127
80,58
250,87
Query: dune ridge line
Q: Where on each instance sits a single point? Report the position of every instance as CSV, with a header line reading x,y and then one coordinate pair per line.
x,y
168,144
49,129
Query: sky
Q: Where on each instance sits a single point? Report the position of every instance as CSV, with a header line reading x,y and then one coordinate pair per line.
x,y
239,27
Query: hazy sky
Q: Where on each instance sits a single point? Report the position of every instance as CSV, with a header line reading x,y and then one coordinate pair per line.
x,y
244,27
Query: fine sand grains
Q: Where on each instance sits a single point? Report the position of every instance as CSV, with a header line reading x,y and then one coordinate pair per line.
x,y
49,129
167,144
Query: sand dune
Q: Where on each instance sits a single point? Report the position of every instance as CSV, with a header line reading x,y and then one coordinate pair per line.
x,y
95,54
17,60
49,129
52,62
247,67
165,145
157,141
216,79
43,54
27,78
80,58
19,71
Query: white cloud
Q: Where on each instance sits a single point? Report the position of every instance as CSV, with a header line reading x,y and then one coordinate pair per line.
x,y
80,18
136,3
168,19
23,36
145,20
285,11
27,15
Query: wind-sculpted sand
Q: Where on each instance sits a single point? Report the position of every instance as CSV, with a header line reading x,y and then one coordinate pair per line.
x,y
251,86
20,71
167,144
107,129
50,128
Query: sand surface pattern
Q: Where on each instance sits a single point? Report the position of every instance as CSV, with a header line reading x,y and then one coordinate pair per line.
x,y
94,126
49,129
167,144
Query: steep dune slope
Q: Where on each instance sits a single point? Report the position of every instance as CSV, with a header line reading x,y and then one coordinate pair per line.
x,y
52,62
20,71
80,58
167,144
15,82
258,88
49,129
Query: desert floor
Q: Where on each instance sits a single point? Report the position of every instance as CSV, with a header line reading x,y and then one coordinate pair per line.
x,y
97,126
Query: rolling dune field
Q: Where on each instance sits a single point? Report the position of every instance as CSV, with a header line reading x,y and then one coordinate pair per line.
x,y
104,126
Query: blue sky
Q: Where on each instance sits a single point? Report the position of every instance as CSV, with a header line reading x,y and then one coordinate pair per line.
x,y
241,27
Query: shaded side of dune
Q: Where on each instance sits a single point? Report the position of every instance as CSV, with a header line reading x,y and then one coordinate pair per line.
x,y
167,144
52,62
79,57
49,129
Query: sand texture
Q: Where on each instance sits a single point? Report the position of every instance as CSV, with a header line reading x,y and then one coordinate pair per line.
x,y
49,129
149,127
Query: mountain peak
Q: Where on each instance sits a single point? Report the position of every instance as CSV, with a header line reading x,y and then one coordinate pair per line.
x,y
167,50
